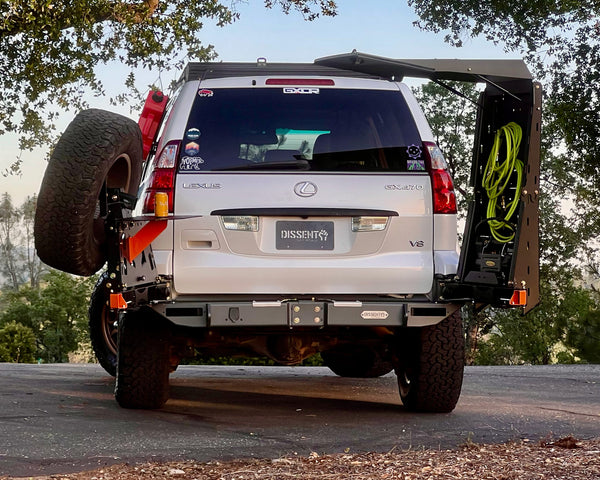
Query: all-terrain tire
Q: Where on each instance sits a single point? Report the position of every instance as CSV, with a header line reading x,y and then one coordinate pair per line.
x,y
98,147
143,361
103,327
356,361
431,365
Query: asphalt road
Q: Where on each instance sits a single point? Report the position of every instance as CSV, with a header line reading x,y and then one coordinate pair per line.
x,y
63,418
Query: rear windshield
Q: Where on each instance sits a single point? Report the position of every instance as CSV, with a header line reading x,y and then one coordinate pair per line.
x,y
305,128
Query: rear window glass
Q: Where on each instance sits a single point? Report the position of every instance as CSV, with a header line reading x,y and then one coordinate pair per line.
x,y
300,128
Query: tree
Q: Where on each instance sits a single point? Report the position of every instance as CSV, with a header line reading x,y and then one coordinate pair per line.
x,y
584,338
9,256
33,264
18,261
17,343
56,313
50,49
561,41
553,331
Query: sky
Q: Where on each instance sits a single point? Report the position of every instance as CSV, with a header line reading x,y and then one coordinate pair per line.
x,y
378,27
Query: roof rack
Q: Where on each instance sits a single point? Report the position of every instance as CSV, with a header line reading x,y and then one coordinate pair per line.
x,y
499,73
207,70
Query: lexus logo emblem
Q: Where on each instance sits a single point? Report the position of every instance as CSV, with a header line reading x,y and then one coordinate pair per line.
x,y
305,189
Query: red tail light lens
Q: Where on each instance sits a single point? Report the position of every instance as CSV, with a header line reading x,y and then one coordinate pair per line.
x,y
444,198
162,178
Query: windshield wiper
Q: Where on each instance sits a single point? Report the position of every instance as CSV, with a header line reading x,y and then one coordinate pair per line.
x,y
298,164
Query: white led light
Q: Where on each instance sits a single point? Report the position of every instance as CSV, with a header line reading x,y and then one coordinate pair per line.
x,y
438,162
369,224
241,223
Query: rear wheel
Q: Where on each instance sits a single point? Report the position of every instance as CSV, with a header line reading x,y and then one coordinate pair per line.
x,y
143,362
103,327
97,149
356,361
430,366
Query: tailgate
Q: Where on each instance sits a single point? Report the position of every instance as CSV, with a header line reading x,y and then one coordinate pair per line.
x,y
304,237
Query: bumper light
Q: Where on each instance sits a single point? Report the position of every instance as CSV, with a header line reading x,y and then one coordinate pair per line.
x,y
369,224
241,223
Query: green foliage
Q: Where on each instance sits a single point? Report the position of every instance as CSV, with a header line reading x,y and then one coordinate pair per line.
x,y
529,25
17,343
584,337
56,313
51,48
561,329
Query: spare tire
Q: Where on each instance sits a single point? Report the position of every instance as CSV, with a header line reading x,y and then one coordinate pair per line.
x,y
97,148
103,326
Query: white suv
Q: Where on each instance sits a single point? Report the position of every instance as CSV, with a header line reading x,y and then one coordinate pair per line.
x,y
283,210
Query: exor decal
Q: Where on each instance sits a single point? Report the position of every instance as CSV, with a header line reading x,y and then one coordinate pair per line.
x,y
301,90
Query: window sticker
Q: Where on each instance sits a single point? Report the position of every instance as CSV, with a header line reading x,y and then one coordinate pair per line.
x,y
415,164
191,164
301,90
192,149
204,92
193,134
414,151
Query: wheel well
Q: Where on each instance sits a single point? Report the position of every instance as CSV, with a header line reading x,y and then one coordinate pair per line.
x,y
119,175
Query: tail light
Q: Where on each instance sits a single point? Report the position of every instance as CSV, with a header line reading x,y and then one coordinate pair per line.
x,y
444,199
162,178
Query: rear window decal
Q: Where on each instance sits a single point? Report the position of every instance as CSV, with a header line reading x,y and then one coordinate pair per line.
x,y
301,90
192,149
204,92
414,151
193,134
415,164
191,164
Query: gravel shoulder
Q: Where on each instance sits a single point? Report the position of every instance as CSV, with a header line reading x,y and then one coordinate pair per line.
x,y
566,458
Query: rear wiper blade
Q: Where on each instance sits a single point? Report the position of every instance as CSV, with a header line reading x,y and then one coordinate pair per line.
x,y
298,164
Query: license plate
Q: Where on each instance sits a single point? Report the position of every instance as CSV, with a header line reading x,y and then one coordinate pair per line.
x,y
304,235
